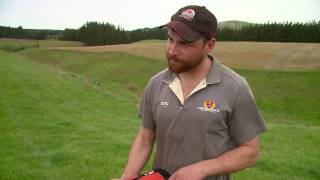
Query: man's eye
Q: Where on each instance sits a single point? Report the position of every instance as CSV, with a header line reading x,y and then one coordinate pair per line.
x,y
186,44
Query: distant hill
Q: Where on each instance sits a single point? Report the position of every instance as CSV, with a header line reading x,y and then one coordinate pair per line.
x,y
233,24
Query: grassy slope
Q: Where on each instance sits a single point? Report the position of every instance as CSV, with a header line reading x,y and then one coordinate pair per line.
x,y
54,126
244,55
131,71
41,43
98,123
288,100
9,44
286,95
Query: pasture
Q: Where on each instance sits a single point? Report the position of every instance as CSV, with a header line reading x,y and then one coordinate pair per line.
x,y
12,45
70,112
248,55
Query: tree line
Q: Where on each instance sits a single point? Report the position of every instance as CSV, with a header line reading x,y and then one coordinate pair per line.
x,y
95,33
20,33
273,32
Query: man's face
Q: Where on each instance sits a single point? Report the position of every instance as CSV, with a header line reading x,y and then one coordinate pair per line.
x,y
183,56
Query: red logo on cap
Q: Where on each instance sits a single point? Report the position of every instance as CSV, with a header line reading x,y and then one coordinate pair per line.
x,y
188,14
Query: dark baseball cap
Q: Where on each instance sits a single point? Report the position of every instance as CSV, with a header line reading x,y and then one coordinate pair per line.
x,y
192,23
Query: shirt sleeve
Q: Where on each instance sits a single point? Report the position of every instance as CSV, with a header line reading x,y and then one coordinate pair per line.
x,y
145,110
246,121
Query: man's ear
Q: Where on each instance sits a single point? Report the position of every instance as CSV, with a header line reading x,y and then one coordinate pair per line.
x,y
210,45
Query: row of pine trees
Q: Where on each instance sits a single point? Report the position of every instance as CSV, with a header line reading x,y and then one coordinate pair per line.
x,y
20,33
273,32
95,33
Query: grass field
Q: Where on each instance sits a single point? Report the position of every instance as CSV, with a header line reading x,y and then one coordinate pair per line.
x,y
249,55
56,126
72,114
9,44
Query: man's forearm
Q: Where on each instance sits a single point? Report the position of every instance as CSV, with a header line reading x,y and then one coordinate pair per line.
x,y
138,156
234,160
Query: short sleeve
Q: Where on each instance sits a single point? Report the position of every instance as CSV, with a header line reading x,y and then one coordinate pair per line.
x,y
246,121
145,110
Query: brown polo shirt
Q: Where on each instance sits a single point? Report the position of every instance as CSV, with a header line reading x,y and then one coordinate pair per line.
x,y
220,114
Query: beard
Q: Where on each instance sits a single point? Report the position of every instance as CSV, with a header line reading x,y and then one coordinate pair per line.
x,y
178,66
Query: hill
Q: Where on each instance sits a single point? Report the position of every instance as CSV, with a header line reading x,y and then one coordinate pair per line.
x,y
235,24
132,72
60,125
12,45
244,55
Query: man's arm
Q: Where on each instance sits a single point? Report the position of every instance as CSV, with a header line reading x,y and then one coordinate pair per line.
x,y
234,160
140,152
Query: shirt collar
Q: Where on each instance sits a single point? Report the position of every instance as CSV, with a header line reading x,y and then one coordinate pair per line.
x,y
214,75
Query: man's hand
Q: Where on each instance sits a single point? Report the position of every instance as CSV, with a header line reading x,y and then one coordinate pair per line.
x,y
234,160
191,172
140,152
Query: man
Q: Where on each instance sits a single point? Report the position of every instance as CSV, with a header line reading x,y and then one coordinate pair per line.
x,y
201,115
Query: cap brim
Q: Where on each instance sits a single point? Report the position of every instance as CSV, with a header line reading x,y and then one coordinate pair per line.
x,y
183,30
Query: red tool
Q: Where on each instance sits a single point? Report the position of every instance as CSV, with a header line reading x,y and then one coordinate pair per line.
x,y
155,174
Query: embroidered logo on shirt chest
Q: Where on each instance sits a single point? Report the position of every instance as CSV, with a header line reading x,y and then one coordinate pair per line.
x,y
209,106
164,103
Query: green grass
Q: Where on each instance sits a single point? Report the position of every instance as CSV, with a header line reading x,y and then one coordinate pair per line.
x,y
54,126
284,95
13,45
131,71
72,115
289,97
289,151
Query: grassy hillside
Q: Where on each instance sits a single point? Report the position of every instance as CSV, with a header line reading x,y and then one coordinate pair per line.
x,y
242,55
280,94
8,44
130,71
286,97
72,115
55,126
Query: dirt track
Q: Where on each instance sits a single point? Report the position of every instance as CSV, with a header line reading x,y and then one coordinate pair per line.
x,y
248,55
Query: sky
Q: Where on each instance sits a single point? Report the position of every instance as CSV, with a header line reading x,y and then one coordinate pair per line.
x,y
134,14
